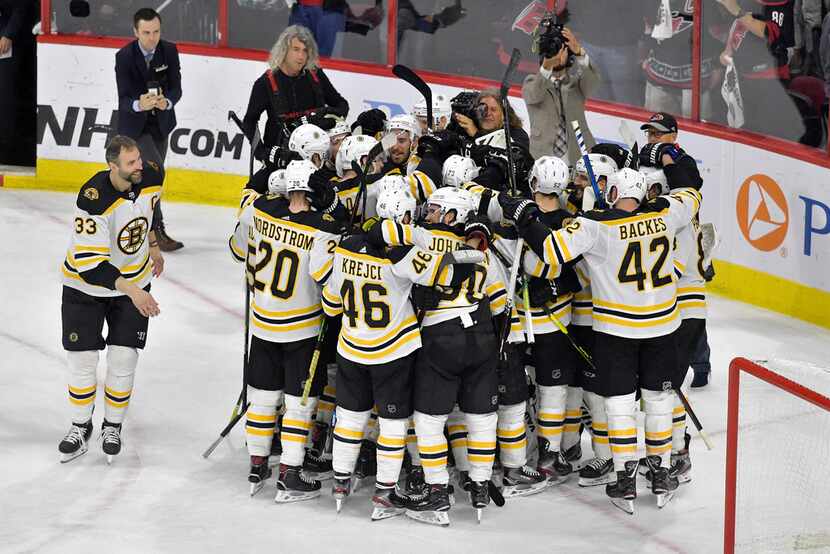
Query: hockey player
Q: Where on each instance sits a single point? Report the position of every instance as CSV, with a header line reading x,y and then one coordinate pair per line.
x,y
458,359
288,244
441,113
111,259
691,300
377,345
635,313
425,171
458,170
558,392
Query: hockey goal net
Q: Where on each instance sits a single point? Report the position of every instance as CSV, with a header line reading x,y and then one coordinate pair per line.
x,y
778,442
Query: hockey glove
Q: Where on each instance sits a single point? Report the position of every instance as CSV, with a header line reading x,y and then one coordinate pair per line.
x,y
323,196
651,155
425,298
440,145
321,120
517,209
479,226
371,122
541,291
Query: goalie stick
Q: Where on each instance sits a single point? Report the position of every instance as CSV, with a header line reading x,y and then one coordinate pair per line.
x,y
404,73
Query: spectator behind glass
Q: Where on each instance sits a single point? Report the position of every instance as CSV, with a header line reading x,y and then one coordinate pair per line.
x,y
611,31
555,96
326,18
17,82
757,46
668,64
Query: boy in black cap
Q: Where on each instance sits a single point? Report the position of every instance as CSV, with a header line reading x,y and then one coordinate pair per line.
x,y
662,151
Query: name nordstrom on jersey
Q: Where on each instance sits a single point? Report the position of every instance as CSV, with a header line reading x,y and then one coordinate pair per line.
x,y
285,235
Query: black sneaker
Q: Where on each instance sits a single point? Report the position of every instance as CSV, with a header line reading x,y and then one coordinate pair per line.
x,y
75,442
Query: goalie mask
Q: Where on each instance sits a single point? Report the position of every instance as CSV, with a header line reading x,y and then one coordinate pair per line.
x,y
549,175
307,140
457,170
297,174
352,149
448,199
395,204
627,183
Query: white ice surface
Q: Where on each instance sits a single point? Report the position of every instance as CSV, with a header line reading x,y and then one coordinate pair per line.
x,y
160,495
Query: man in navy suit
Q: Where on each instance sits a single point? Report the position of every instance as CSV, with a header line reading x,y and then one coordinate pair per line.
x,y
148,75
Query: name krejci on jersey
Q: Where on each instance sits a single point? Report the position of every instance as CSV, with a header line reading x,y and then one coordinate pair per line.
x,y
364,270
637,229
285,235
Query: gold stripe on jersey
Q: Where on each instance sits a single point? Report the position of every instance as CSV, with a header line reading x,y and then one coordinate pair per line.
x,y
238,254
248,197
81,262
691,297
404,337
332,305
320,274
635,316
290,320
365,257
385,338
688,194
634,218
113,206
560,310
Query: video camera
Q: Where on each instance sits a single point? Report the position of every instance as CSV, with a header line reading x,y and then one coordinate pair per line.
x,y
548,38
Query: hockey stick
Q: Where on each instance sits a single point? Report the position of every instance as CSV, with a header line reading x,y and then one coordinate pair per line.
x,y
406,74
315,358
225,431
564,330
382,146
695,420
515,57
580,140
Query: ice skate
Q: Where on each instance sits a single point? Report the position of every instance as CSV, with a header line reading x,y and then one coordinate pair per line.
x,y
681,464
386,502
341,487
293,486
624,491
74,444
367,464
522,481
276,449
259,473
573,455
111,439
599,471
479,497
430,507
663,484
315,465
552,464
415,483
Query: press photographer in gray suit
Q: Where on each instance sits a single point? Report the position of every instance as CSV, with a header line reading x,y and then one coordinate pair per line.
x,y
556,94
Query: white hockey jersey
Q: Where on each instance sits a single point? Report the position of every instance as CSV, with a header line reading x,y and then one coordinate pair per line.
x,y
289,255
630,260
455,301
691,286
371,290
110,235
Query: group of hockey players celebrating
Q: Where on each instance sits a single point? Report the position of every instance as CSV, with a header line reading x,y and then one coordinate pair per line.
x,y
427,304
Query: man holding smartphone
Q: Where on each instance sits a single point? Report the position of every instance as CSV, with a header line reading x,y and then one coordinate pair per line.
x,y
148,76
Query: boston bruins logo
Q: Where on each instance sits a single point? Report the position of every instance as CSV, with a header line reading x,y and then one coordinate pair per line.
x,y
132,235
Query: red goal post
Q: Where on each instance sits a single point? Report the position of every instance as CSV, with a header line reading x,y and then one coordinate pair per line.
x,y
785,385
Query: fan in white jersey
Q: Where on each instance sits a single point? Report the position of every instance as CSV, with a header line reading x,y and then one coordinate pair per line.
x,y
635,313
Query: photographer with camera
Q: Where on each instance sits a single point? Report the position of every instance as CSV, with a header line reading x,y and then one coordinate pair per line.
x,y
556,95
478,118
294,90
